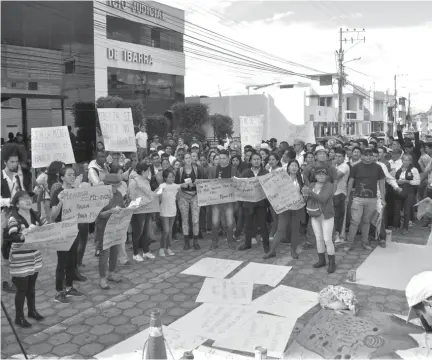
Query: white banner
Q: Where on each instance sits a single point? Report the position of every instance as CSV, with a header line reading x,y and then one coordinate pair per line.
x,y
304,132
116,228
117,129
50,144
58,237
251,130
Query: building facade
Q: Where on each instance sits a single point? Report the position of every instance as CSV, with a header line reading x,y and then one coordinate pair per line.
x,y
58,53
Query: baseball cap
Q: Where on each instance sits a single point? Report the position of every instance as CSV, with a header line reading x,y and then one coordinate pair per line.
x,y
320,148
195,146
321,171
264,146
418,289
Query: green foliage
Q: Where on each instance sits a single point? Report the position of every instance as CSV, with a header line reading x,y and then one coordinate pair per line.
x,y
222,125
156,125
189,120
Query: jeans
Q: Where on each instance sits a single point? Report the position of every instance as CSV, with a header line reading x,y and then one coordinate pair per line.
x,y
406,205
140,232
202,218
167,225
240,222
253,219
291,218
83,233
26,288
339,207
323,229
362,210
66,266
228,211
186,203
112,254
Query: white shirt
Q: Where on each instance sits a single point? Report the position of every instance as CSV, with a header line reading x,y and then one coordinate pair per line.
x,y
142,138
168,200
13,185
416,176
342,183
300,158
395,164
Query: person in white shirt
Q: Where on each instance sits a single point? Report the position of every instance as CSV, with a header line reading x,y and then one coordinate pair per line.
x,y
396,160
340,194
142,138
299,149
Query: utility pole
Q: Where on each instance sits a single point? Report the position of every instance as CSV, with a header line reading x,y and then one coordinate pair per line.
x,y
341,75
395,97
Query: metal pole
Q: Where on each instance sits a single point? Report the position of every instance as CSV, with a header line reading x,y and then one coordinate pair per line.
x,y
13,329
395,103
340,83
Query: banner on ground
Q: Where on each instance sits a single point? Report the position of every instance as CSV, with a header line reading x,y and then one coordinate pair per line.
x,y
116,125
304,132
251,130
116,228
281,191
50,144
248,189
215,191
424,207
58,236
85,204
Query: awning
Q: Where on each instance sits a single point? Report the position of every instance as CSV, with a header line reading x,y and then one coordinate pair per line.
x,y
6,95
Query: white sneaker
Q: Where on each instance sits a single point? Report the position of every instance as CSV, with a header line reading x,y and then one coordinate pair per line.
x,y
149,255
170,252
161,252
271,238
138,258
338,239
254,241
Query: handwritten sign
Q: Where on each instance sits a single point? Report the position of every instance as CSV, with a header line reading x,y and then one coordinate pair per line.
x,y
116,228
248,189
212,267
207,353
117,129
212,321
304,132
215,191
51,144
268,331
424,207
223,291
251,130
281,191
286,301
146,207
85,204
59,236
264,274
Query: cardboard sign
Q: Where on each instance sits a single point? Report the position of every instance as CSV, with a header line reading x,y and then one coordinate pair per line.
x,y
304,132
149,207
59,236
281,191
51,144
215,191
251,130
248,189
85,204
116,228
117,129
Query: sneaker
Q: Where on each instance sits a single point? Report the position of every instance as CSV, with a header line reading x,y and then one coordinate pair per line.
x,y
170,252
138,258
161,252
74,292
61,298
149,255
271,238
127,263
366,247
410,224
254,241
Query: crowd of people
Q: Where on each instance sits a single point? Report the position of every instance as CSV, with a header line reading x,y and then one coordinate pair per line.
x,y
344,184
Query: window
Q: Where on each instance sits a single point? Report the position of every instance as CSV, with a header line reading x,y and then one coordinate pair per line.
x,y
352,116
143,34
13,85
32,85
325,101
69,67
360,103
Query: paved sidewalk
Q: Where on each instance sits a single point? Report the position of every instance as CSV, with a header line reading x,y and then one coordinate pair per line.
x,y
103,318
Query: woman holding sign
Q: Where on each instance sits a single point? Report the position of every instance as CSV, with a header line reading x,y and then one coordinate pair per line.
x,y
291,218
25,263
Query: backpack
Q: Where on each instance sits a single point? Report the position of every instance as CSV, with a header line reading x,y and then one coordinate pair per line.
x,y
313,208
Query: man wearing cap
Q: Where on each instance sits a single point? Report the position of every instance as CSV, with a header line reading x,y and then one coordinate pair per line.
x,y
419,297
195,148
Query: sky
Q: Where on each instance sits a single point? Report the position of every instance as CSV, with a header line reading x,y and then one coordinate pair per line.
x,y
303,36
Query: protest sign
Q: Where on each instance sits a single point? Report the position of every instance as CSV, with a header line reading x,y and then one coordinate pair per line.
x,y
248,189
251,130
215,191
49,144
281,191
117,129
57,236
148,207
304,132
424,207
85,204
116,228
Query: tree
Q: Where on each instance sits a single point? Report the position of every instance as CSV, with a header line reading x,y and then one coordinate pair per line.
x,y
189,120
156,125
222,125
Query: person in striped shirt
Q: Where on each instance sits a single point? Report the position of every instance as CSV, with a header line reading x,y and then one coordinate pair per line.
x,y
24,261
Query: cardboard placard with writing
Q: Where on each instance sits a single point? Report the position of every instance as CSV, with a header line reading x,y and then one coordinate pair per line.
x,y
116,228
251,130
58,236
281,191
117,129
248,189
149,207
50,144
215,191
304,132
85,204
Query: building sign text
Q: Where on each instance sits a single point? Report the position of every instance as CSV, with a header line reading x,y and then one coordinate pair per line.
x,y
130,56
137,7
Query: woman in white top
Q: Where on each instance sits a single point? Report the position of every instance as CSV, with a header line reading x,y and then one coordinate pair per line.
x,y
273,164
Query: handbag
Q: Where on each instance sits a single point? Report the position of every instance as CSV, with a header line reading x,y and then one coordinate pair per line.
x,y
312,207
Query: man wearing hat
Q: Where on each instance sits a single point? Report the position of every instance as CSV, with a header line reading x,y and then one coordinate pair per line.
x,y
419,297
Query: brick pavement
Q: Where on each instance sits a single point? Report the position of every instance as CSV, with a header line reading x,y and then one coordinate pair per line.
x,y
103,318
